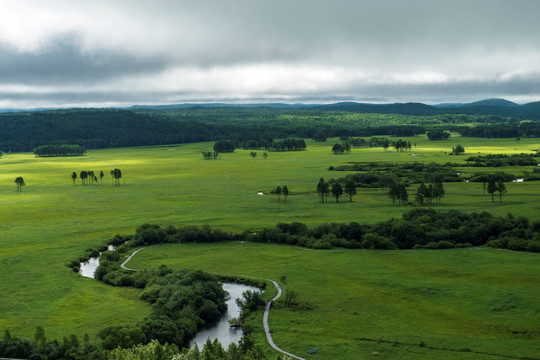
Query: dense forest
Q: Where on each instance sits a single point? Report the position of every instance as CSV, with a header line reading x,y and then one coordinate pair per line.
x,y
257,126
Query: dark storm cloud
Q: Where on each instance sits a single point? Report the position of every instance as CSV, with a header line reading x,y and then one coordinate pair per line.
x,y
74,53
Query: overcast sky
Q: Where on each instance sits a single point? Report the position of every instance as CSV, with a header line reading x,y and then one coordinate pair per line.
x,y
115,53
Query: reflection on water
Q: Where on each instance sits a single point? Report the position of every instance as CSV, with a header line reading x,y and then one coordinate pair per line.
x,y
88,268
222,331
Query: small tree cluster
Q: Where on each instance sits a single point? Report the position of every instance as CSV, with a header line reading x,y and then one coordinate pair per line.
x,y
117,175
401,145
59,150
281,190
339,149
224,146
87,176
494,187
288,145
337,188
438,135
208,155
398,191
458,149
426,194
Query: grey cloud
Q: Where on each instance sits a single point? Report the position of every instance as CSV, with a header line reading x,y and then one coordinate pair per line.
x,y
471,44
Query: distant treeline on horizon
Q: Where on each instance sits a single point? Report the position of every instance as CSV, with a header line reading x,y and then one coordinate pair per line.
x,y
143,126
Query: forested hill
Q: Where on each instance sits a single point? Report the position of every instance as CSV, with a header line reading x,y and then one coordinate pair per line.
x,y
92,128
140,126
494,107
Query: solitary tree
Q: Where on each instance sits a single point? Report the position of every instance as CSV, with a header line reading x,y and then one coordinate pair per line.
x,y
101,175
350,188
20,183
501,189
253,154
74,177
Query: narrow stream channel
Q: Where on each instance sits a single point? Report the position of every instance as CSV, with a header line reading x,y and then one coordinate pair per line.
x,y
221,330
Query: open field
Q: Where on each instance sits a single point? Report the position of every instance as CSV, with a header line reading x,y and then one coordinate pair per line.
x,y
53,221
455,304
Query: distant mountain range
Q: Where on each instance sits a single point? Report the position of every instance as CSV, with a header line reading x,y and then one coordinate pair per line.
x,y
495,107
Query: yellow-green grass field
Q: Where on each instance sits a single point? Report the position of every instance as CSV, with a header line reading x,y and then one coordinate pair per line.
x,y
53,221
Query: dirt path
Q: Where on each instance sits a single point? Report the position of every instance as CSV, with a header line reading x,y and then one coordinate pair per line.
x,y
266,308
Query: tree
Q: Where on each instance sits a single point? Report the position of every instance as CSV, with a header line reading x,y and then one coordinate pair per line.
x,y
83,176
337,190
285,192
323,189
398,192
421,193
491,188
278,192
74,177
438,191
253,154
350,188
101,175
501,189
458,150
338,149
117,175
20,183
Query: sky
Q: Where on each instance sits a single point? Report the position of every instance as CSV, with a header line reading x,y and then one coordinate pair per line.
x,y
102,53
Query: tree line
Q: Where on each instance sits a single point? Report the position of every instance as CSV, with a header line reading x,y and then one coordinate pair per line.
x,y
89,176
421,227
59,150
249,128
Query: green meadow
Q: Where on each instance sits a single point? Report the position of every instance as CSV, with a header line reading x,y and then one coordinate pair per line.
x,y
53,221
455,304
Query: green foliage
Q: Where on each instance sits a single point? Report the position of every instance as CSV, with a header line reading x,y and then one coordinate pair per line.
x,y
59,150
499,160
224,146
438,135
288,145
151,351
20,183
250,301
458,149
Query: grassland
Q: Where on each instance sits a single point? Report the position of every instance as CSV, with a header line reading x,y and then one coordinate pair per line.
x,y
456,304
53,221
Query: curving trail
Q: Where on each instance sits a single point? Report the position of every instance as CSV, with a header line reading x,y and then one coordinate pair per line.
x,y
267,327
123,265
266,309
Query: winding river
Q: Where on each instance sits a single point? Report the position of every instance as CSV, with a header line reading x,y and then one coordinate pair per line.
x,y
221,330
